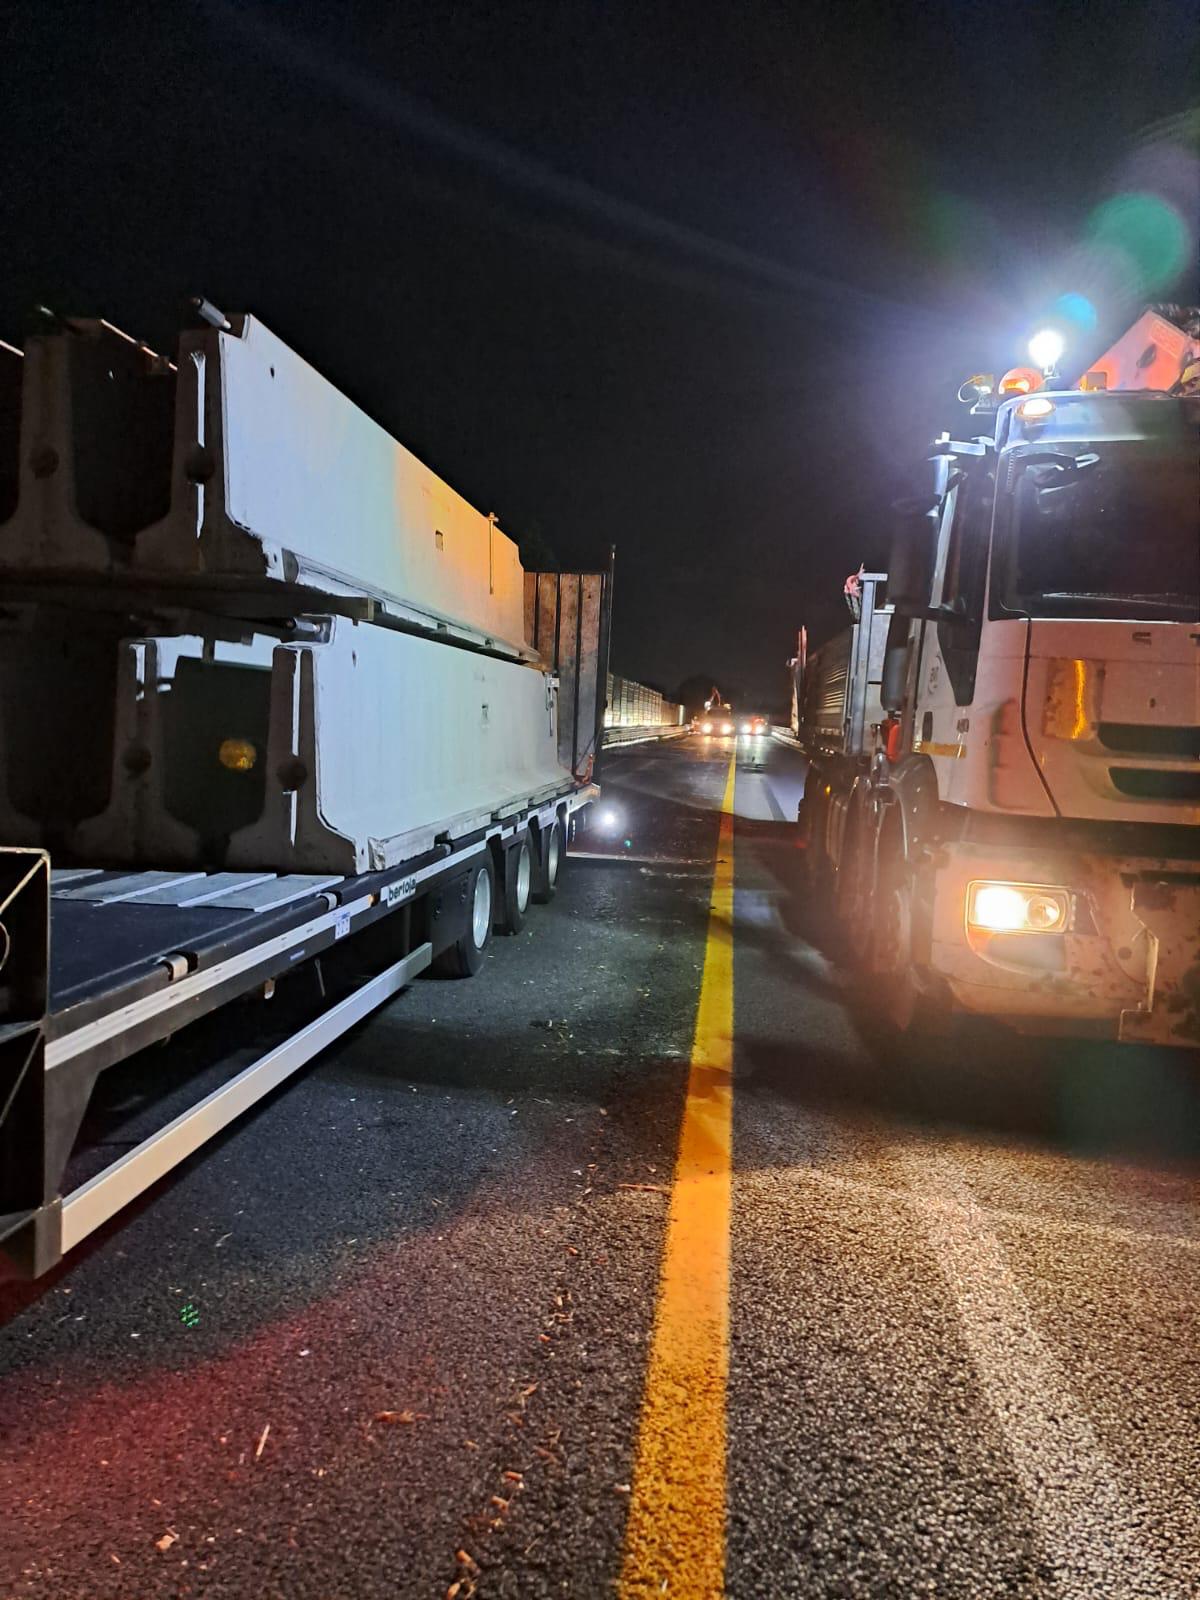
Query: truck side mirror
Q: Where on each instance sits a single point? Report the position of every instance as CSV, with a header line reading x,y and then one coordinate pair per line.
x,y
914,551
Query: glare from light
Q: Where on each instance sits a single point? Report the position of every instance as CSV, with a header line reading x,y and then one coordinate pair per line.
x,y
610,819
708,727
1045,348
1019,380
998,907
1034,409
747,727
1011,908
727,727
237,755
1077,308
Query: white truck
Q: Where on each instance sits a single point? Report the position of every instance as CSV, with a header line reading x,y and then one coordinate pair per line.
x,y
1004,793
275,704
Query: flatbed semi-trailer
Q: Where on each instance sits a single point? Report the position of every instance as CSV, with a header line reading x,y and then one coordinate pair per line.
x,y
281,715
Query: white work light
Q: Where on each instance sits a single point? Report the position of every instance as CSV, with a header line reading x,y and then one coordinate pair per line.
x,y
1045,349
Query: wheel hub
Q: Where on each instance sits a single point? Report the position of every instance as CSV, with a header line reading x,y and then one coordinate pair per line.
x,y
481,910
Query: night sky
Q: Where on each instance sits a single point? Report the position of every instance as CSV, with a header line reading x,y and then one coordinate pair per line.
x,y
700,282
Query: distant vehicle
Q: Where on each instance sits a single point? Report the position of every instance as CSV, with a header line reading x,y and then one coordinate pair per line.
x,y
754,725
717,717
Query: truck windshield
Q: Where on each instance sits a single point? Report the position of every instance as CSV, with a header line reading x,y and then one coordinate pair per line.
x,y
1104,530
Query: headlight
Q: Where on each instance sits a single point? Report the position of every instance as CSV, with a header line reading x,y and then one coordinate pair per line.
x,y
708,727
747,727
727,727
1017,908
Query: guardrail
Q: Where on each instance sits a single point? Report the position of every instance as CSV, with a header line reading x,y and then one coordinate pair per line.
x,y
619,736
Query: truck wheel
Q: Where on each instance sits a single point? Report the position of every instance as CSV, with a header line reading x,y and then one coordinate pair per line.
x,y
810,823
909,1006
548,866
518,885
464,957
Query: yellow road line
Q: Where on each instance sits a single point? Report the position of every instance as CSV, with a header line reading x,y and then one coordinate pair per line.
x,y
675,1537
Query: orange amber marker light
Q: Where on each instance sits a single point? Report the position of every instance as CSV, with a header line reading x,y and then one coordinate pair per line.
x,y
1020,380
238,755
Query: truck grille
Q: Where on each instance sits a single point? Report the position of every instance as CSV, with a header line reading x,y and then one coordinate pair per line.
x,y
1156,783
1139,739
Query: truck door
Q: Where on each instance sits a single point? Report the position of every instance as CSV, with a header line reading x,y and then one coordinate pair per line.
x,y
946,680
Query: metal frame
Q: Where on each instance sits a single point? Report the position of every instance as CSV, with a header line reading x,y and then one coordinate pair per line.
x,y
48,1068
553,599
94,1202
859,670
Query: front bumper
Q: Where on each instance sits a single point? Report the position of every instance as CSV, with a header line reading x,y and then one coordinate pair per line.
x,y
1128,964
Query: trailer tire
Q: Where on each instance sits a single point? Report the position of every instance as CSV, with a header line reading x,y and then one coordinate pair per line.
x,y
464,957
549,862
518,885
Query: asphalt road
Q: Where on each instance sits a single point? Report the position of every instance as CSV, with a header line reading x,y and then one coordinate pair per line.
x,y
391,1334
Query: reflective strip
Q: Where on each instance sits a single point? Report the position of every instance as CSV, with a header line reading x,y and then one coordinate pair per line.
x,y
930,747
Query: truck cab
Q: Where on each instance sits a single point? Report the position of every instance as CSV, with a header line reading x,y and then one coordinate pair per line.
x,y
1019,835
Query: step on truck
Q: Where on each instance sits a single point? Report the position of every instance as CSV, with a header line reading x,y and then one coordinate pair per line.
x,y
283,724
1003,800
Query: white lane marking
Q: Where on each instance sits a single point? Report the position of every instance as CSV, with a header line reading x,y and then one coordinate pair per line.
x,y
1135,1238
1087,1527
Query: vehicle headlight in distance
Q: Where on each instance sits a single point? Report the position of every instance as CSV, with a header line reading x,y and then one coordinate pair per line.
x,y
727,727
708,727
747,727
1017,908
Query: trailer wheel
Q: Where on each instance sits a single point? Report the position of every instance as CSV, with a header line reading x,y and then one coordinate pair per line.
x,y
464,957
549,862
518,885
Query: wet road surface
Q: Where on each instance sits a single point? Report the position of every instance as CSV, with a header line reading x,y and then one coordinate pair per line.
x,y
393,1334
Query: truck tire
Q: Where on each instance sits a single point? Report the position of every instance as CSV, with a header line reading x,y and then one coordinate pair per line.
x,y
518,885
810,823
464,957
548,862
909,1006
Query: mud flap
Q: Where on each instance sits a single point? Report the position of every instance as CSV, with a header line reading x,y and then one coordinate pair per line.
x,y
1169,910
